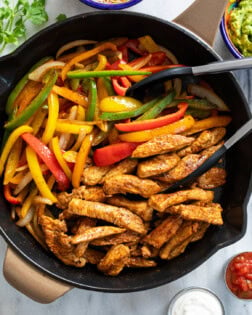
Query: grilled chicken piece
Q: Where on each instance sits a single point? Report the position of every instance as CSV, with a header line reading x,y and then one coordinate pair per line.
x,y
125,237
140,208
157,165
94,233
163,232
148,251
59,242
161,144
183,234
93,256
93,175
118,216
184,167
210,214
213,178
161,202
87,193
126,166
114,261
122,184
205,140
139,262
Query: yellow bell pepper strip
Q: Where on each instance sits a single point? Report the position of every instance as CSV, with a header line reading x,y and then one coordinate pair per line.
x,y
70,156
158,107
104,73
70,95
148,43
177,127
12,161
10,142
28,202
17,178
129,114
84,56
211,122
92,100
38,120
8,196
113,153
73,126
37,175
81,160
48,158
114,104
153,123
80,113
102,63
35,104
53,112
20,85
58,154
102,92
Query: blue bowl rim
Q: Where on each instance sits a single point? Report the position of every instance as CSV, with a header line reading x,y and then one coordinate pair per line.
x,y
103,6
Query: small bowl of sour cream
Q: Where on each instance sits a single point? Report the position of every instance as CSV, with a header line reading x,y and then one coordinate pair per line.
x,y
196,301
110,4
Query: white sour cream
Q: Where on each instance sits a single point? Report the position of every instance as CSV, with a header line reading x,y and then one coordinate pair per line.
x,y
196,302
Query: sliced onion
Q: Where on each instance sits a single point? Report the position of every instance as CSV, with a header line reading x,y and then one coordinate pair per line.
x,y
208,94
27,218
39,72
43,200
170,55
73,44
22,168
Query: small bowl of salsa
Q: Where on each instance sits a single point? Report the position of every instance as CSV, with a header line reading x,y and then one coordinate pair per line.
x,y
110,4
236,27
238,275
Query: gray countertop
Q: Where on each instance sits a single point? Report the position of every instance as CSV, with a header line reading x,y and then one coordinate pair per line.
x,y
155,301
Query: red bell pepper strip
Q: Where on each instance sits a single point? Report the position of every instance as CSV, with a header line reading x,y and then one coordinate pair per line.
x,y
48,158
7,195
133,45
120,85
153,123
113,153
157,58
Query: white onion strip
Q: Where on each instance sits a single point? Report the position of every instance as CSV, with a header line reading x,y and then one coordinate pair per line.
x,y
27,218
73,44
39,72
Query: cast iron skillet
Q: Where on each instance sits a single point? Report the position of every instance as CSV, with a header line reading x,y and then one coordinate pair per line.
x,y
190,50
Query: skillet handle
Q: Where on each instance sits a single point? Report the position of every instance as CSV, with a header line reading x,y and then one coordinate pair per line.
x,y
30,281
203,18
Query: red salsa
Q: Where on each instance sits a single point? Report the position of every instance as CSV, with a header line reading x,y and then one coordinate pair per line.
x,y
239,275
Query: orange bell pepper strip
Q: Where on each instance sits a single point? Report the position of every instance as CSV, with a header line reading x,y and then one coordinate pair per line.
x,y
37,175
210,122
12,162
38,120
53,112
153,123
85,55
72,96
10,142
155,69
59,156
80,113
113,153
28,202
177,127
8,196
81,160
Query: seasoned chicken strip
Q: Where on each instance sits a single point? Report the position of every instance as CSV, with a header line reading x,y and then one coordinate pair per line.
x,y
184,167
162,144
213,178
157,165
139,262
163,232
162,201
93,256
59,242
205,140
203,226
126,237
126,166
148,251
140,208
93,175
87,193
186,230
210,151
122,184
118,216
210,213
94,233
114,261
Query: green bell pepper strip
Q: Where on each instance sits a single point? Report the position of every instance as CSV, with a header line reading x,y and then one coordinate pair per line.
x,y
108,85
20,85
195,103
74,83
35,104
92,100
158,108
129,114
198,113
104,73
